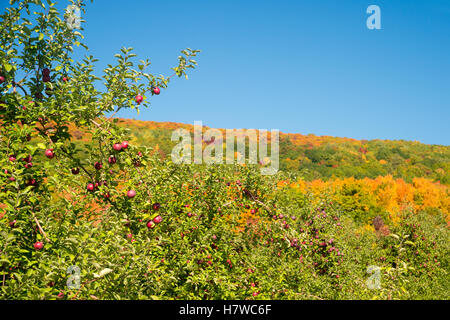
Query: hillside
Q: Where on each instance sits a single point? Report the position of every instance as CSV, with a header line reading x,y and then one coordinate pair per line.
x,y
325,157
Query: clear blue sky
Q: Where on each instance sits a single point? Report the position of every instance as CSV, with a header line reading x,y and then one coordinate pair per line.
x,y
298,66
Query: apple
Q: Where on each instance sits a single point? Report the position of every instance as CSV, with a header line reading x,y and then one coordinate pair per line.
x,y
12,179
98,165
125,144
117,146
156,206
157,219
28,165
139,154
75,171
2,79
31,182
49,153
129,236
150,224
189,214
156,90
38,245
28,158
12,224
131,193
64,79
112,160
107,195
139,99
90,187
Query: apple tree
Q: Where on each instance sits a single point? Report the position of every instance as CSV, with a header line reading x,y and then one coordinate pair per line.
x,y
61,198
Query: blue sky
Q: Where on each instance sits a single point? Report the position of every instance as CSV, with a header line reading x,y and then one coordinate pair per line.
x,y
298,66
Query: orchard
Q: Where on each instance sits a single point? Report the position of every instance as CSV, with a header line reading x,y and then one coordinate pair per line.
x,y
134,226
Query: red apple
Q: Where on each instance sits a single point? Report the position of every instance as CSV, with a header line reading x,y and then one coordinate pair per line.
x,y
2,79
38,245
150,224
28,165
98,165
156,206
75,170
157,219
28,158
117,146
12,158
49,153
156,90
129,236
139,99
125,144
131,193
112,160
64,79
31,182
90,187
12,224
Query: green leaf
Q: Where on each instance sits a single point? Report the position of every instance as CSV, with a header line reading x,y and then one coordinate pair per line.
x,y
8,67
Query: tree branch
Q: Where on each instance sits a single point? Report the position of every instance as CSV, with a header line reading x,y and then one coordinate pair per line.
x,y
39,227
